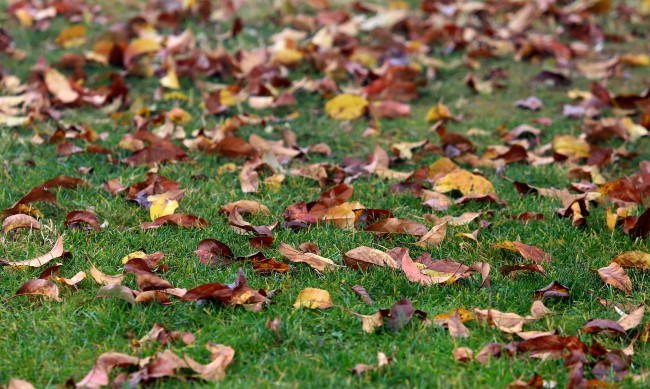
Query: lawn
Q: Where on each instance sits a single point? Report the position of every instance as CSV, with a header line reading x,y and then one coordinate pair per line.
x,y
430,50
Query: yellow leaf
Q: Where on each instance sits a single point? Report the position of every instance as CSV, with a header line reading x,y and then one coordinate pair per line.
x,y
464,314
286,57
227,98
135,254
139,47
170,80
637,259
164,204
464,181
571,147
636,59
162,208
635,131
644,7
24,17
611,219
71,36
439,112
346,107
313,298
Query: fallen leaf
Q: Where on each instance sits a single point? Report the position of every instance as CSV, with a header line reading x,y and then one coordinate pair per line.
x,y
364,257
463,354
600,325
214,252
98,376
614,275
465,182
346,107
19,221
181,219
633,319
59,86
56,252
434,237
117,291
39,287
397,226
399,315
528,252
554,289
635,259
361,292
507,322
315,261
313,298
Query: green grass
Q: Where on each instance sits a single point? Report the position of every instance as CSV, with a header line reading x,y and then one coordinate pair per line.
x,y
49,342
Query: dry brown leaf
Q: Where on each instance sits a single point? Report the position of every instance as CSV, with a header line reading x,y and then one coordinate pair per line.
x,y
98,376
39,287
393,225
363,257
633,319
315,261
528,252
221,357
507,322
463,354
434,237
246,206
19,221
56,252
614,275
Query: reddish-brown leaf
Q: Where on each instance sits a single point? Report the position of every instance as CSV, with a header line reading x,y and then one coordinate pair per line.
x,y
75,219
554,289
39,287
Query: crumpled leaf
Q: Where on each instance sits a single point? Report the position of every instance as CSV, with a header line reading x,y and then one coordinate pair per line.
x,y
346,107
400,314
507,322
56,252
313,298
221,357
